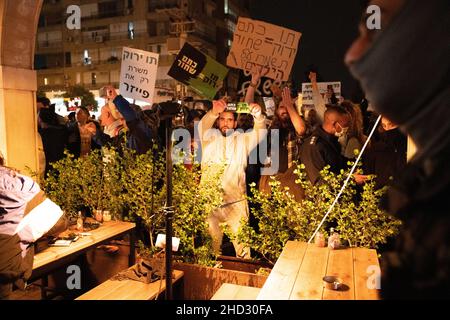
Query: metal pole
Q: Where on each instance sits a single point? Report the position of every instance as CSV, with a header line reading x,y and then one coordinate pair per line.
x,y
169,209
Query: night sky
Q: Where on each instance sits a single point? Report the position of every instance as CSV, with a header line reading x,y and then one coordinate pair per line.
x,y
328,28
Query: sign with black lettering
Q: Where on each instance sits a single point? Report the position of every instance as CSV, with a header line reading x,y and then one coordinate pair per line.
x,y
264,87
138,74
198,71
261,44
324,87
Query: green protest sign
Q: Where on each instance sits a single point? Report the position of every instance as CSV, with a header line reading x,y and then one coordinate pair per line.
x,y
198,71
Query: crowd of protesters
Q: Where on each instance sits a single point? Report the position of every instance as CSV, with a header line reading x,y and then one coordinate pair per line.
x,y
328,134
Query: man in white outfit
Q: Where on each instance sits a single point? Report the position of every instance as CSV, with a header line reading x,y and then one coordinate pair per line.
x,y
231,149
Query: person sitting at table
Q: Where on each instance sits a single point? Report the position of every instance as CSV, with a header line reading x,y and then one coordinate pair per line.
x,y
26,215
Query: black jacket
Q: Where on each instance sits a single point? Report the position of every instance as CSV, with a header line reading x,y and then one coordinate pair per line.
x,y
319,150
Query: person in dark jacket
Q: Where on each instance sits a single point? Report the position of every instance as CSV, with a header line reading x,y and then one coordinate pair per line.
x,y
382,60
386,155
322,147
54,137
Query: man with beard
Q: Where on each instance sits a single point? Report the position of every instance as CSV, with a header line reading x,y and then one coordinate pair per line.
x,y
404,69
229,149
287,130
291,128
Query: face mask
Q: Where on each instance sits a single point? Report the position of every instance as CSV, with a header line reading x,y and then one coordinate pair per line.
x,y
342,133
405,74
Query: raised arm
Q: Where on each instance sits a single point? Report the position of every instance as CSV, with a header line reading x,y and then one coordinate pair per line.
x,y
256,78
297,121
319,101
121,104
210,117
254,137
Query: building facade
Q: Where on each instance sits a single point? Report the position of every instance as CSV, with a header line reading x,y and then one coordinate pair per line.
x,y
90,56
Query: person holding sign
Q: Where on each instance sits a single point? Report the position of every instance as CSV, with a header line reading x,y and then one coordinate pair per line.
x,y
231,149
139,136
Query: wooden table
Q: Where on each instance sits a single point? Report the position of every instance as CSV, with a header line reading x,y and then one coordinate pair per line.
x,y
299,270
54,257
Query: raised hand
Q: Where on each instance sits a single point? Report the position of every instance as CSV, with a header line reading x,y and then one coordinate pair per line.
x,y
111,93
313,77
286,97
219,106
255,110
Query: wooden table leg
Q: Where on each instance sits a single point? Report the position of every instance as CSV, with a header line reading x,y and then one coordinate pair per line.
x,y
44,286
132,255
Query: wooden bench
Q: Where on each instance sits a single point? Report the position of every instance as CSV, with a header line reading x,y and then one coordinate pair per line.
x,y
299,270
228,291
129,289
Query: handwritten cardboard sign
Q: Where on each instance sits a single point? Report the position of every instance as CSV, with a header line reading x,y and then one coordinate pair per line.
x,y
263,88
261,44
323,86
138,74
198,70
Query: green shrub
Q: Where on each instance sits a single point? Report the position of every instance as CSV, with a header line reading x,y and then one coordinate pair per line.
x,y
360,222
131,185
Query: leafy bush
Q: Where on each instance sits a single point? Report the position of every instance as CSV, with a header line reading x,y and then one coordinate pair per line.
x,y
131,185
359,221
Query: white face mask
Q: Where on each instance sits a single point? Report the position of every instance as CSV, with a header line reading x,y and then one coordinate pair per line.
x,y
342,133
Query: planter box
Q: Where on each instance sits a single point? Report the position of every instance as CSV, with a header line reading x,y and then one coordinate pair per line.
x,y
201,283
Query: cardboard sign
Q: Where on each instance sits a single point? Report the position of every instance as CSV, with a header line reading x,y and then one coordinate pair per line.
x,y
308,94
264,86
138,74
198,71
261,44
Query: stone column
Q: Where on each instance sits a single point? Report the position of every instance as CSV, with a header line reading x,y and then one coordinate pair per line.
x,y
18,123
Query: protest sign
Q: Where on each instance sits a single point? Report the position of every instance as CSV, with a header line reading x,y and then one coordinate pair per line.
x,y
323,86
270,106
198,71
263,88
138,74
261,44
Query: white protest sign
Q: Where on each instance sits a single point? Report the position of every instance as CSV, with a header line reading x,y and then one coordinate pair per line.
x,y
261,44
323,86
270,106
138,74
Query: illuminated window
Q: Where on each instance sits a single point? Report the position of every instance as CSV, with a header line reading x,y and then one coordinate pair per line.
x,y
45,81
131,30
86,58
